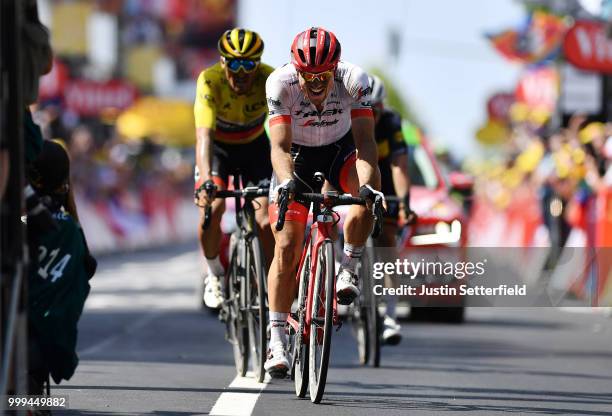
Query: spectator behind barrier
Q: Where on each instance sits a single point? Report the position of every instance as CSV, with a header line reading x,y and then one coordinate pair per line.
x,y
59,285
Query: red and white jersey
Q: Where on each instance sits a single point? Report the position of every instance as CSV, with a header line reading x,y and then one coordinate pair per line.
x,y
348,98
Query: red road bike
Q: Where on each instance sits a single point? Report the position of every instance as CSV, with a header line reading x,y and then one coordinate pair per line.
x,y
311,325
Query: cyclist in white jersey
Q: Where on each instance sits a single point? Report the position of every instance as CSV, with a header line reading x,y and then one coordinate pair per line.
x,y
320,121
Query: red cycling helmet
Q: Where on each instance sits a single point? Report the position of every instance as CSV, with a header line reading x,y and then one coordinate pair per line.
x,y
315,50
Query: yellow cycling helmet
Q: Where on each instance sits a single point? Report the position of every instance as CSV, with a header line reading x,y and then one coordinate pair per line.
x,y
240,43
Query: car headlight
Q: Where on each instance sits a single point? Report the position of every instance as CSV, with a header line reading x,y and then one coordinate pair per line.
x,y
444,233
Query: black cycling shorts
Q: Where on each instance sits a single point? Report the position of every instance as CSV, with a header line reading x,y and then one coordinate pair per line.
x,y
334,160
250,160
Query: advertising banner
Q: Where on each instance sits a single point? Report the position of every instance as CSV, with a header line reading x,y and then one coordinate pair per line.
x,y
89,98
587,47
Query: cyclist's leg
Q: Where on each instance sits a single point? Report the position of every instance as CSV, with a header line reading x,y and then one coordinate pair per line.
x,y
282,286
387,240
391,329
358,223
281,283
210,239
265,232
256,169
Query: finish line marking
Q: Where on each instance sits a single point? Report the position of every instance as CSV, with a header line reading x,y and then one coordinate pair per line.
x,y
239,404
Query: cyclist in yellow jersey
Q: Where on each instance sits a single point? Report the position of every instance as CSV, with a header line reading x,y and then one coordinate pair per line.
x,y
230,109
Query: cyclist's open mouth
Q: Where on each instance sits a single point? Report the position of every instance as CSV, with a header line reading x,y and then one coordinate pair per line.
x,y
317,91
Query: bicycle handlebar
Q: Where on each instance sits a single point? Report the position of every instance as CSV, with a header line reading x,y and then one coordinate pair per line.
x,y
331,199
250,192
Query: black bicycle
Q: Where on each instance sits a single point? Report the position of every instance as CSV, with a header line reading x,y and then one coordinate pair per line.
x,y
367,319
244,309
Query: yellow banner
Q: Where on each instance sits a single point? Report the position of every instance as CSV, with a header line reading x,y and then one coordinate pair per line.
x,y
69,28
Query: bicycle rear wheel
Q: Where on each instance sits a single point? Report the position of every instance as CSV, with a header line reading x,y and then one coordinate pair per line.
x,y
375,323
237,330
360,313
299,367
321,323
370,300
256,308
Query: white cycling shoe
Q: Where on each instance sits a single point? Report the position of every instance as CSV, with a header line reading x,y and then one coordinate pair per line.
x,y
278,362
347,287
391,331
213,293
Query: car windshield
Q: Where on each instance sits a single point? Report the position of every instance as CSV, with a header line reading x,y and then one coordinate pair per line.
x,y
420,168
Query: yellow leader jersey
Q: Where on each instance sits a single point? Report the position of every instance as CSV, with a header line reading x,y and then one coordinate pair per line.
x,y
236,119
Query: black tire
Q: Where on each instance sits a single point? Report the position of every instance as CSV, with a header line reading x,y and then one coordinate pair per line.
x,y
360,314
321,322
238,332
360,326
375,323
371,321
299,368
256,309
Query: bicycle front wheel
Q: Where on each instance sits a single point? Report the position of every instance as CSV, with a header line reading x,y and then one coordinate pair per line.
x,y
321,321
256,308
299,368
238,334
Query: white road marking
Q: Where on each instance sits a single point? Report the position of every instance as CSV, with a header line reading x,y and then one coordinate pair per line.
x,y
239,404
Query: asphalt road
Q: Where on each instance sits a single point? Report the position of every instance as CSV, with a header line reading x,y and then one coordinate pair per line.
x,y
147,349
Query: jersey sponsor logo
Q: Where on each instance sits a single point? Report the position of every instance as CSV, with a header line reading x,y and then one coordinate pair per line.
x,y
331,112
292,83
361,92
333,102
304,104
322,123
254,107
272,101
366,104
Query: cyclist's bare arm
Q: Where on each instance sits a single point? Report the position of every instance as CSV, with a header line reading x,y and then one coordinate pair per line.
x,y
280,143
367,154
205,138
399,172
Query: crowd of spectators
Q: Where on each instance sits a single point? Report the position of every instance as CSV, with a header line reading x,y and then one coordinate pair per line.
x,y
128,179
565,169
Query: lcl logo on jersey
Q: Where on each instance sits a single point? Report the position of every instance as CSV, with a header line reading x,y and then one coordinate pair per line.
x,y
255,107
